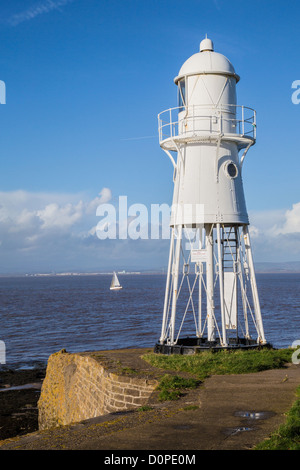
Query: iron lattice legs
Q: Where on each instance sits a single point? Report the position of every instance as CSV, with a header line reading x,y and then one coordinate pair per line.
x,y
222,276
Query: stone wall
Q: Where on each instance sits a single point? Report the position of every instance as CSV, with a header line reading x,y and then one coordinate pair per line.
x,y
79,387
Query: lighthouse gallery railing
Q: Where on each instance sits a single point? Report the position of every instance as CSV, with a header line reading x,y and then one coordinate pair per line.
x,y
199,120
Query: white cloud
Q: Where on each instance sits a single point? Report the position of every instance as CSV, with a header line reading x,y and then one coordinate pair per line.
x,y
291,222
46,226
63,217
55,232
276,234
21,210
38,9
44,232
276,222
104,196
254,232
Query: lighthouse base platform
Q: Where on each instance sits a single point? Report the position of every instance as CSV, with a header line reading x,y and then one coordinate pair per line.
x,y
193,345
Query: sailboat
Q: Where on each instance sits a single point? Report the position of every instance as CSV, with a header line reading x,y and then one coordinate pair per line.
x,y
115,284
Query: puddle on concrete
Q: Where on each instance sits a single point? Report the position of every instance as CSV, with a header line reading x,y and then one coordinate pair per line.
x,y
240,429
254,415
237,430
249,416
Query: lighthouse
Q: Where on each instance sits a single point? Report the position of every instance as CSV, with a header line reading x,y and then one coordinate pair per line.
x,y
211,298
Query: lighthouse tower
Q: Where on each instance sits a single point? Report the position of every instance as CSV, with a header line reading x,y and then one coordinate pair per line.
x,y
211,297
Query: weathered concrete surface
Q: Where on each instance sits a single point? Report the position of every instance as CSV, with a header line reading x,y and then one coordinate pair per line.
x,y
213,423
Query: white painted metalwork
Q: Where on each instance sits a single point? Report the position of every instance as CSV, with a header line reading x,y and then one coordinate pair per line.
x,y
210,259
201,123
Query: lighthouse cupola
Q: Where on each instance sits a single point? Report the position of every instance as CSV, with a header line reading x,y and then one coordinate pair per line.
x,y
206,45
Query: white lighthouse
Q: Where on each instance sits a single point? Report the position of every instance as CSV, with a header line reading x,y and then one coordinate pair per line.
x,y
211,297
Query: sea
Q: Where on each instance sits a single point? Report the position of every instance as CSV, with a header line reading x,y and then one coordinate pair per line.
x,y
40,315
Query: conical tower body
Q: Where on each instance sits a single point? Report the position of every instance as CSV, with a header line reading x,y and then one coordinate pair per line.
x,y
211,286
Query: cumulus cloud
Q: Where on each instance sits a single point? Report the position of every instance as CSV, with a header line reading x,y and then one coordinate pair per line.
x,y
49,226
64,217
20,210
291,223
276,234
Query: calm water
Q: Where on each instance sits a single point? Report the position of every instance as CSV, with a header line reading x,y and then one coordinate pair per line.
x,y
41,315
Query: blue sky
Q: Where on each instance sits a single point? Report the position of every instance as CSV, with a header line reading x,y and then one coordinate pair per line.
x,y
85,80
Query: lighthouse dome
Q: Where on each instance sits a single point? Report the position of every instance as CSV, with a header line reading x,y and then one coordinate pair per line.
x,y
207,62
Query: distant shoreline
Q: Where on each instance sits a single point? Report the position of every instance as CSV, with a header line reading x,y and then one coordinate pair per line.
x,y
129,273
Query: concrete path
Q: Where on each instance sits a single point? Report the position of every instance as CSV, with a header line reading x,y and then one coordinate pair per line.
x,y
230,412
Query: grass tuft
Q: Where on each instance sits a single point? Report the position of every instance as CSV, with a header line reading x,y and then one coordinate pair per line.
x,y
287,437
207,363
171,387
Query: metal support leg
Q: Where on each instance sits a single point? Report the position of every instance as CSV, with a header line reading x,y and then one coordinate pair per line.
x,y
167,291
210,282
242,278
259,324
199,271
221,283
175,273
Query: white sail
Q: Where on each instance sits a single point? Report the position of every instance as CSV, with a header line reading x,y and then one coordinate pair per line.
x,y
115,284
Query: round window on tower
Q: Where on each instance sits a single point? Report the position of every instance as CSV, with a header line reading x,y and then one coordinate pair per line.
x,y
231,170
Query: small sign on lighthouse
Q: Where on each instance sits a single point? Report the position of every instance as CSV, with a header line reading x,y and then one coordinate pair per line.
x,y
198,256
211,297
